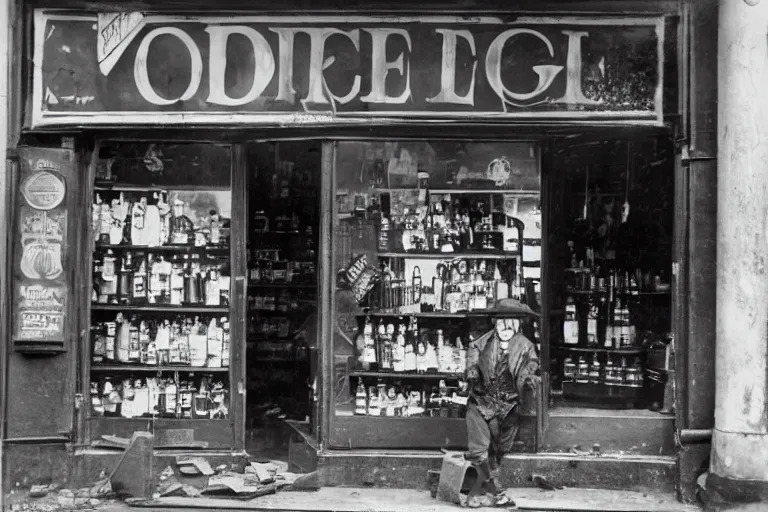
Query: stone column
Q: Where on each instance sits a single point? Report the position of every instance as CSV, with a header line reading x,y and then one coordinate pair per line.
x,y
739,462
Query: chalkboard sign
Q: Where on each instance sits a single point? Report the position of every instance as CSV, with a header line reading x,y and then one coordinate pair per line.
x,y
41,246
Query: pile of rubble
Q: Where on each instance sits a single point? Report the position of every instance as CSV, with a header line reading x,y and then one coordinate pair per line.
x,y
49,498
193,476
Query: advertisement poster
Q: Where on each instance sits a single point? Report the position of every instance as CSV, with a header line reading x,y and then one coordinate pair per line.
x,y
41,241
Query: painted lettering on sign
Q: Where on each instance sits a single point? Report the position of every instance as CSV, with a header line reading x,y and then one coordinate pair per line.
x,y
265,68
192,67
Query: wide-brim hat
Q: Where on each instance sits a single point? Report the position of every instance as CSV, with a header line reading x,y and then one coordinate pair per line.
x,y
511,308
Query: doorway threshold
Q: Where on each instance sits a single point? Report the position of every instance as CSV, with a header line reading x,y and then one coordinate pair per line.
x,y
346,499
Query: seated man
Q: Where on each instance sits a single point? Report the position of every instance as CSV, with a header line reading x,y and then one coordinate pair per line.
x,y
500,363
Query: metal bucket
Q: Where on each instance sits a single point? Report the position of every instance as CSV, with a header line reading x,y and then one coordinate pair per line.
x,y
457,475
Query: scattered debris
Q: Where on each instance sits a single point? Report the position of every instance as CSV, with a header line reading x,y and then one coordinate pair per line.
x,y
243,486
38,491
166,474
194,466
49,498
261,471
542,483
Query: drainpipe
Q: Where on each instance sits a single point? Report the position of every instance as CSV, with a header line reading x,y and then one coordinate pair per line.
x,y
692,436
6,7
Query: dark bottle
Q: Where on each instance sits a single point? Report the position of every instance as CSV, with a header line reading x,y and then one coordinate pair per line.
x,y
125,280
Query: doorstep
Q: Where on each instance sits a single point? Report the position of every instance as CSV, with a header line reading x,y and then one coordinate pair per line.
x,y
345,499
410,470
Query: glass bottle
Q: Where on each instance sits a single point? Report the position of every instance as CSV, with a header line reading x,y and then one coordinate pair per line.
x,y
571,323
361,399
621,376
125,280
373,401
569,369
594,370
139,291
384,348
460,357
610,372
445,362
592,317
398,349
181,228
225,343
582,375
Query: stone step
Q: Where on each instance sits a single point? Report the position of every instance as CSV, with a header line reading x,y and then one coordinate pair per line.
x,y
636,432
410,469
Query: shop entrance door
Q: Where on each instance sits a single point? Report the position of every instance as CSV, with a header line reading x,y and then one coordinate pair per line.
x,y
610,206
282,244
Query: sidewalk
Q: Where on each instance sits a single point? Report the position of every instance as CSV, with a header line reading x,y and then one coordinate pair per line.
x,y
341,499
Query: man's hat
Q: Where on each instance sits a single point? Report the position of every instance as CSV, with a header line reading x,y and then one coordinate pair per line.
x,y
511,308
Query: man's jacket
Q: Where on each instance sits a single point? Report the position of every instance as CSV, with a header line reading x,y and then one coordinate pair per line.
x,y
497,378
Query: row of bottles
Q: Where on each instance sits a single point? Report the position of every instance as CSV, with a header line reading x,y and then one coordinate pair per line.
x,y
406,348
612,374
605,322
447,226
458,285
267,266
269,327
283,300
201,398
180,341
153,221
384,400
137,278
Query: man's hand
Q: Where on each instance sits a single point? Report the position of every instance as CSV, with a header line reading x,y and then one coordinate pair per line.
x,y
532,382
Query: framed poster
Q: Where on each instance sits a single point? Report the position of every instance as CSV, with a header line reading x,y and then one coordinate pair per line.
x,y
41,246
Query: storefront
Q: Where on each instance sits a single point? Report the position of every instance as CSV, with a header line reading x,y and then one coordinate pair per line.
x,y
320,213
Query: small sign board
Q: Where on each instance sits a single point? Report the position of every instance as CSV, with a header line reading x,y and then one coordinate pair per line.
x,y
41,287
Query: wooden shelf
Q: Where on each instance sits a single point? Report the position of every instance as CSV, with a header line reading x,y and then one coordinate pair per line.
x,y
160,248
441,314
467,191
147,368
401,375
451,255
627,350
290,286
276,232
622,294
129,187
161,308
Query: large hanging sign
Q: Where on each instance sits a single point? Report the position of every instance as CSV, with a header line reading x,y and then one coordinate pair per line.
x,y
150,69
41,243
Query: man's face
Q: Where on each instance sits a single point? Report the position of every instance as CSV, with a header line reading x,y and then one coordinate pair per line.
x,y
505,328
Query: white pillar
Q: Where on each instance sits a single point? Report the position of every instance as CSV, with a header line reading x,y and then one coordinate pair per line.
x,y
740,437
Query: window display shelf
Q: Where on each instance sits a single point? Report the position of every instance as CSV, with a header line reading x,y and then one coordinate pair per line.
x,y
130,187
398,375
290,286
600,350
438,314
161,248
620,294
534,194
490,255
146,368
161,308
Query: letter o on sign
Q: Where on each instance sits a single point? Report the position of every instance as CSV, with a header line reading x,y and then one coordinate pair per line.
x,y
141,73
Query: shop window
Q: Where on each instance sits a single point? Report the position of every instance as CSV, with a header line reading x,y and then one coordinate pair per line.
x,y
611,262
427,238
160,301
